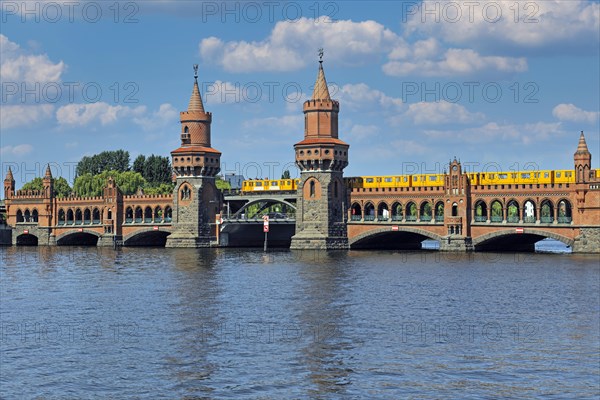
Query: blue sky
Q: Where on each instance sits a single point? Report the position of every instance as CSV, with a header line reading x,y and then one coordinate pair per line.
x,y
500,85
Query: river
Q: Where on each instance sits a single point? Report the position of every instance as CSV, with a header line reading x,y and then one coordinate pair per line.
x,y
238,323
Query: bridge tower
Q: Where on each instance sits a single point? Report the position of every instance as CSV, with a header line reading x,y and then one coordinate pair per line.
x,y
196,200
9,185
321,158
583,161
456,209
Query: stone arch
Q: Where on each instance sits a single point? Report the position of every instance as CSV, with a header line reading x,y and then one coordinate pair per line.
x,y
419,234
78,216
129,215
96,216
480,209
439,210
546,211
26,239
148,214
411,211
312,189
425,210
356,212
84,237
70,217
27,215
20,217
530,233
369,211
62,217
34,215
257,201
147,237
397,211
565,210
168,216
158,214
87,216
513,211
529,208
138,215
383,212
496,210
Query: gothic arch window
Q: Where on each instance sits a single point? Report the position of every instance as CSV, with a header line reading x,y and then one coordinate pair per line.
x,y
312,188
455,210
186,130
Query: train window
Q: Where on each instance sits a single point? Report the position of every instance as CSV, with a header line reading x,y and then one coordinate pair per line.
x,y
251,183
546,174
369,180
502,176
378,179
514,176
558,174
525,176
258,183
568,174
405,179
387,179
433,178
273,183
416,178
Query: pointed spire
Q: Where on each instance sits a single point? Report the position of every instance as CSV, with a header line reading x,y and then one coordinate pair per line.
x,y
582,146
321,92
196,100
9,175
48,174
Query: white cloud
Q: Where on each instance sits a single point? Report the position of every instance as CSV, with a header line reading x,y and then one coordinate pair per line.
x,y
569,112
451,63
18,66
361,97
524,25
84,114
19,150
290,42
443,112
165,115
287,124
359,133
13,116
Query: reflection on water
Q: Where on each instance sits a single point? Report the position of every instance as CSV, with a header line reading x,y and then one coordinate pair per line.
x,y
226,323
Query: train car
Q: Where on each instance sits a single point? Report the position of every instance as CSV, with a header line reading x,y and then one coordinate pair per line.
x,y
355,182
257,185
563,176
428,180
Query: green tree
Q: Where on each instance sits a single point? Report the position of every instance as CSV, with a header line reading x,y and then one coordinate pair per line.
x,y
496,209
61,186
222,184
163,188
286,174
157,170
117,160
89,185
427,210
139,163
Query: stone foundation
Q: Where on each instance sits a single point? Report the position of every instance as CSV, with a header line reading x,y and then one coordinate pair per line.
x,y
456,243
588,241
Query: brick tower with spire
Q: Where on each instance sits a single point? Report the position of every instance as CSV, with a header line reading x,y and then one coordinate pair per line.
x,y
321,158
196,199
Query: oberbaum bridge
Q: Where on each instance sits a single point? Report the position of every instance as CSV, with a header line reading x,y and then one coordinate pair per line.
x,y
323,210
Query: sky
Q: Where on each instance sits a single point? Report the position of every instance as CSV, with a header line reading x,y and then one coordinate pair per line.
x,y
501,85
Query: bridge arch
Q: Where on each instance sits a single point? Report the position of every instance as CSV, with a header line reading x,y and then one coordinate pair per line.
x,y
509,240
27,239
80,237
385,238
147,237
267,200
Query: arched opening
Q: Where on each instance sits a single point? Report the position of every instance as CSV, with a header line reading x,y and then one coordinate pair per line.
x,y
312,188
168,214
34,215
356,213
185,193
20,217
186,130
529,214
27,239
403,239
547,212
369,212
481,211
397,212
87,216
511,241
27,215
512,211
158,214
128,215
78,239
147,239
61,217
439,211
411,212
425,211
138,215
564,212
455,210
497,212
109,214
70,217
78,217
96,216
148,215
383,214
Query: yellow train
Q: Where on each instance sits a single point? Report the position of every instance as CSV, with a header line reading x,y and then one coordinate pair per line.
x,y
255,185
522,177
428,180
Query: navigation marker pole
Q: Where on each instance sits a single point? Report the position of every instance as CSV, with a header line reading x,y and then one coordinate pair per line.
x,y
265,230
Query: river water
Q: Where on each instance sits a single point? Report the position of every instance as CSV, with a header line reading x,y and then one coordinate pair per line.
x,y
232,323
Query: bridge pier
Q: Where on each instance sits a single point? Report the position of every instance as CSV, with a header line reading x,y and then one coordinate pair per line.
x,y
588,241
456,243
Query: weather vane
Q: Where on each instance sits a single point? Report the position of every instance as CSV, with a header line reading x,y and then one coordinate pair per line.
x,y
195,71
321,55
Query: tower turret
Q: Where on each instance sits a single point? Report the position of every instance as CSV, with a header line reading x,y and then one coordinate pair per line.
x,y
9,184
583,161
48,182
